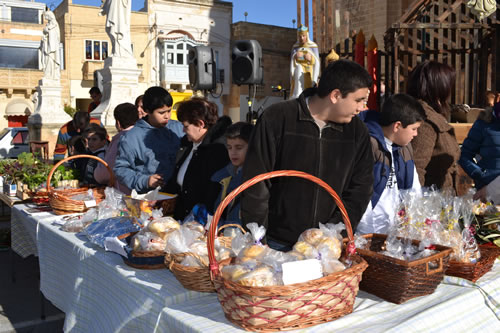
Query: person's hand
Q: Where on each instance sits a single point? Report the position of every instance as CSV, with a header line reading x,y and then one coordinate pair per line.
x,y
155,181
308,57
481,194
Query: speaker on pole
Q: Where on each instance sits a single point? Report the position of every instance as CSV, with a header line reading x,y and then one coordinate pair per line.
x,y
247,62
201,68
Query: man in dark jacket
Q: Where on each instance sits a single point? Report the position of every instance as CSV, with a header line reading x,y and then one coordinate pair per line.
x,y
317,133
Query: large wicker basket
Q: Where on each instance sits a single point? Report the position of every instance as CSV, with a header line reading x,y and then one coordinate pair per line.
x,y
397,280
293,306
473,271
60,200
196,278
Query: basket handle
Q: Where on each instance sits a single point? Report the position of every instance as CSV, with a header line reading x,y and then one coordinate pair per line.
x,y
214,266
69,158
430,271
231,225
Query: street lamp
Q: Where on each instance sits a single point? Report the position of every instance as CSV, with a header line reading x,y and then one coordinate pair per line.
x,y
293,22
246,14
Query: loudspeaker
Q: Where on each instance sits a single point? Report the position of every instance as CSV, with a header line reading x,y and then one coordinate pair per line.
x,y
247,62
201,68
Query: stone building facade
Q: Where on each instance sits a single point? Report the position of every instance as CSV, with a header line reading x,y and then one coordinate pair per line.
x,y
86,45
337,20
21,28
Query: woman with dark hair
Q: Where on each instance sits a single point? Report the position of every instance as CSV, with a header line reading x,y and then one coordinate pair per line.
x,y
138,104
202,153
435,148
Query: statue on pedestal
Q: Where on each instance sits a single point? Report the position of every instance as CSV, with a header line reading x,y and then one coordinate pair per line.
x,y
49,47
118,14
305,63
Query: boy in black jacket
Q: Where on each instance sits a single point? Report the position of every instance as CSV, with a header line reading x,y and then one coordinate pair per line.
x,y
317,133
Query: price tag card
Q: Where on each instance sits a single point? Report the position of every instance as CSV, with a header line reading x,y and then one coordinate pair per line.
x,y
90,203
113,244
301,271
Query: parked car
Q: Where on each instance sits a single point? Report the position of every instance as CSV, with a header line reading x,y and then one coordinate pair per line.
x,y
13,141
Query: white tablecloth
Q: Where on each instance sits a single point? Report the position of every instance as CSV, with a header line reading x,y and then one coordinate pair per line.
x,y
451,308
94,288
99,293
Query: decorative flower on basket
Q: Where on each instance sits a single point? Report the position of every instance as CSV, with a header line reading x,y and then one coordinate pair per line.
x,y
486,228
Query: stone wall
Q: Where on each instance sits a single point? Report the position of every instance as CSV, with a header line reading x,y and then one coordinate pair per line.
x,y
371,16
276,43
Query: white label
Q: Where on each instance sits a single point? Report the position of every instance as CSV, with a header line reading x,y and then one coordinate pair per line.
x,y
301,271
90,203
113,244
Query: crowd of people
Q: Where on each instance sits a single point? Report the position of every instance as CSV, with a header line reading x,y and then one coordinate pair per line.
x,y
366,156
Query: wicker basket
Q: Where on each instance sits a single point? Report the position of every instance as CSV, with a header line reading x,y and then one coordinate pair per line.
x,y
197,278
473,271
397,280
293,306
142,259
60,200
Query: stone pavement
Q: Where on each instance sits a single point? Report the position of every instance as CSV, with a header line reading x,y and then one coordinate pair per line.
x,y
20,298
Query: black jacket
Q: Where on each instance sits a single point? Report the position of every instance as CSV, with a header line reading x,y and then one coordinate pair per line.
x,y
286,137
210,156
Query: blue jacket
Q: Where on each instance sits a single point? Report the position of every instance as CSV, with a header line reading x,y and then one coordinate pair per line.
x,y
484,140
176,127
143,151
228,180
403,158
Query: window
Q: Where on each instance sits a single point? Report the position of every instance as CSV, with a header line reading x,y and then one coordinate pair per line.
x,y
96,50
18,57
174,60
27,15
20,138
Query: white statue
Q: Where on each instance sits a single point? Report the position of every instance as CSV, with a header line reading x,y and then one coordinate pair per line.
x,y
49,56
118,26
305,63
482,8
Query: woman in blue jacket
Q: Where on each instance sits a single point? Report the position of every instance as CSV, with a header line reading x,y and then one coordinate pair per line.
x,y
480,156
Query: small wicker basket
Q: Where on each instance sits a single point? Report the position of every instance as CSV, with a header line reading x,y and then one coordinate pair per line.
x,y
295,306
473,271
142,259
60,200
197,278
397,280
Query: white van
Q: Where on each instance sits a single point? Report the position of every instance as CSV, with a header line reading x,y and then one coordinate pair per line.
x,y
13,141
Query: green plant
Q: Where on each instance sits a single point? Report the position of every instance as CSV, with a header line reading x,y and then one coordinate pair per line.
x,y
63,173
70,110
26,169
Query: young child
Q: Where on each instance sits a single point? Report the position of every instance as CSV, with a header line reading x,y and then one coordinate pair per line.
x,y
237,137
97,142
125,116
146,153
391,132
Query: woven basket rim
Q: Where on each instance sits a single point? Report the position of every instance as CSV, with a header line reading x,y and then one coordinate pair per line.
x,y
443,252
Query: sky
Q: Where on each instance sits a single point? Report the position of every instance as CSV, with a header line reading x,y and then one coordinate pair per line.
x,y
273,12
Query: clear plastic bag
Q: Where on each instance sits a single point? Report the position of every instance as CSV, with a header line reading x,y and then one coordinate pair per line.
x,y
112,227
